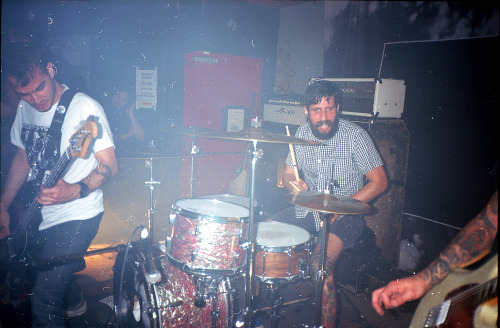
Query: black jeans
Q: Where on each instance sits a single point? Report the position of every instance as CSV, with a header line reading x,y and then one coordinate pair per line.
x,y
54,286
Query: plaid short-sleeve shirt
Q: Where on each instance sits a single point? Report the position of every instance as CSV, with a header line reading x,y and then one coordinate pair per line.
x,y
344,159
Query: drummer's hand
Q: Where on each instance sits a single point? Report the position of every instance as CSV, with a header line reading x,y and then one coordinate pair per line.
x,y
334,218
298,185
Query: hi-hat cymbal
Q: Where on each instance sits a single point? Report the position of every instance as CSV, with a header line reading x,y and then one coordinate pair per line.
x,y
257,134
327,203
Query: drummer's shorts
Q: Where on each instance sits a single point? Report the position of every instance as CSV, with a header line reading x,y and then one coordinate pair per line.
x,y
348,228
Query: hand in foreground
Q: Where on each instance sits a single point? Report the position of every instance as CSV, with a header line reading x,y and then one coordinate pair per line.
x,y
398,292
62,192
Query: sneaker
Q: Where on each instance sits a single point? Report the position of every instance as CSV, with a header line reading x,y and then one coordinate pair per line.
x,y
77,310
257,321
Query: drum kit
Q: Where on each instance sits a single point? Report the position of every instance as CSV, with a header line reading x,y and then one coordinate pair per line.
x,y
203,275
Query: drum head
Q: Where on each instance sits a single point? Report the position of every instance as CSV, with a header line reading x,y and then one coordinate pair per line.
x,y
233,199
278,234
210,208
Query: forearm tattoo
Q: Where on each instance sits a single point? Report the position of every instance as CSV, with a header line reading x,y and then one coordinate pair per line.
x,y
469,245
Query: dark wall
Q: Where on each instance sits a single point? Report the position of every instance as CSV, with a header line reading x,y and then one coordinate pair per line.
x,y
124,34
451,111
160,35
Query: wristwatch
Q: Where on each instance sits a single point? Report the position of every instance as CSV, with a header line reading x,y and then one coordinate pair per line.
x,y
84,189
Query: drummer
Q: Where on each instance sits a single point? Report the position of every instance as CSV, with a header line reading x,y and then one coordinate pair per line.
x,y
346,163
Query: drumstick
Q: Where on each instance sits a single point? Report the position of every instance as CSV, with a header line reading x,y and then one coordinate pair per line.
x,y
294,186
294,162
292,153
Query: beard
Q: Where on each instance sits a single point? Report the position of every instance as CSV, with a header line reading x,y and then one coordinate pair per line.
x,y
334,126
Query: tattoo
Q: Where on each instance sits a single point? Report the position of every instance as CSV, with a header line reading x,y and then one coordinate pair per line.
x,y
436,273
105,172
473,241
329,304
486,217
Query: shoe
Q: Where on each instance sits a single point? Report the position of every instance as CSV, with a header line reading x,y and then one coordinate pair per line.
x,y
77,310
257,321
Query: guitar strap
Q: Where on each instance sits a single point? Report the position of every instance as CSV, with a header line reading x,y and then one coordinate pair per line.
x,y
50,157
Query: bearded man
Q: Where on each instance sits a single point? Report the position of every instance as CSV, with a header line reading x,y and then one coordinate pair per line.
x,y
346,163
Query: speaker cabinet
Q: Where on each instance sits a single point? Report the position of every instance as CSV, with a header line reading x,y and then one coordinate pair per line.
x,y
393,142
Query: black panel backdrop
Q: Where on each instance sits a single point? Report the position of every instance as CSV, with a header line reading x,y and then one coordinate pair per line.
x,y
451,111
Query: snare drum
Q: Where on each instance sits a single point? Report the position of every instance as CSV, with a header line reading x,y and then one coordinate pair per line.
x,y
282,251
207,236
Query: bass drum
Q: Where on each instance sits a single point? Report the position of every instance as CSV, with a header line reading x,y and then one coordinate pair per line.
x,y
179,300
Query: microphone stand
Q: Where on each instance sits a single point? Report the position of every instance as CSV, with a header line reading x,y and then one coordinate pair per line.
x,y
151,183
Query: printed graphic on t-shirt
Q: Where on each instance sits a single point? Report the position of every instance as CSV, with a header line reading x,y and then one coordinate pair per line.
x,y
41,154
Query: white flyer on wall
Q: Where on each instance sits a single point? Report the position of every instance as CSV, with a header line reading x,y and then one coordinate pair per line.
x,y
146,88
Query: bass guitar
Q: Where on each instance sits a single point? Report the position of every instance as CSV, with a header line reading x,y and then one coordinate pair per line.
x,y
79,142
463,299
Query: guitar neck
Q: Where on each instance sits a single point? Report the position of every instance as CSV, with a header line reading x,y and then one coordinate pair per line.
x,y
486,291
35,206
58,169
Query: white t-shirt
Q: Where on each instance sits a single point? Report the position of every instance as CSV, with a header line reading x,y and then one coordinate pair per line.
x,y
29,132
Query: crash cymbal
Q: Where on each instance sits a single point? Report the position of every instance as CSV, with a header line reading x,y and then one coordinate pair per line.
x,y
327,203
257,134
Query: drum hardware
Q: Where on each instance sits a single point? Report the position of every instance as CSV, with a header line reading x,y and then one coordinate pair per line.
x,y
151,184
194,151
325,203
276,302
255,135
206,288
152,274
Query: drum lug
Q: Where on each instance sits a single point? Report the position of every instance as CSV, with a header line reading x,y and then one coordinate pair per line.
x,y
289,253
302,266
264,253
194,254
172,218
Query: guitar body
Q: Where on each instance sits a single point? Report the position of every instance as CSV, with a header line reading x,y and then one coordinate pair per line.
x,y
462,313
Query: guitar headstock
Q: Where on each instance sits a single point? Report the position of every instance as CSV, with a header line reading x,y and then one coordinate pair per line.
x,y
81,139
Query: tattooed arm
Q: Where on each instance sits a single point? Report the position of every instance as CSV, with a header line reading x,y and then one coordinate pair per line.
x,y
63,192
472,243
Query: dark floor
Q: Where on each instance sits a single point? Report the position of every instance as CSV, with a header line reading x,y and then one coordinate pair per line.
x,y
297,309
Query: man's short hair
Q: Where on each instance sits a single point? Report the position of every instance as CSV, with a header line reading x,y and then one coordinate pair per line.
x,y
20,59
319,90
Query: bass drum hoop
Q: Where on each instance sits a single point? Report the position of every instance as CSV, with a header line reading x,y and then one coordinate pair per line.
x,y
135,301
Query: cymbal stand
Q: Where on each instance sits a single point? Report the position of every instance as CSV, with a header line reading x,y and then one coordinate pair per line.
x,y
257,153
320,275
151,184
194,151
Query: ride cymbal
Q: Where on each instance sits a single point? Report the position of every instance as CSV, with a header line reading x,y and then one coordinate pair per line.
x,y
257,134
327,203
